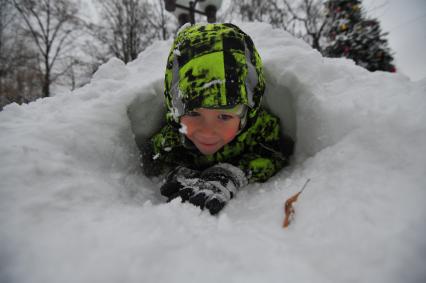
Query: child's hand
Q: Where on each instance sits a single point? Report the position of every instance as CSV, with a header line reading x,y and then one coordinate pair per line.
x,y
176,180
216,186
205,194
211,189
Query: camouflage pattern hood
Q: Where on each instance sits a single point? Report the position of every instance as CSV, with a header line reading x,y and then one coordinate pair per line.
x,y
213,66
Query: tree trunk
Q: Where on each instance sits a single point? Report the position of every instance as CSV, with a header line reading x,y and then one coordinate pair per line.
x,y
46,79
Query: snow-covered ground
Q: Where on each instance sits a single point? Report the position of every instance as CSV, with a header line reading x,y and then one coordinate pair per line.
x,y
74,206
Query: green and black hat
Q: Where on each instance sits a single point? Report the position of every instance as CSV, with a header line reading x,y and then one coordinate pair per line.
x,y
213,66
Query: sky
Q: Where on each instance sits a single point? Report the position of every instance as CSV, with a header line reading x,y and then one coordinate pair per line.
x,y
405,20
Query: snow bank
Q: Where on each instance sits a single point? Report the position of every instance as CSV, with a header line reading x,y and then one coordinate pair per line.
x,y
74,206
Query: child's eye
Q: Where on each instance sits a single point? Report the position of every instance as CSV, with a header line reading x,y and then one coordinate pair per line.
x,y
225,117
192,114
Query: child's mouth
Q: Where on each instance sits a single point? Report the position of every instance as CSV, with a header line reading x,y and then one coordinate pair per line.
x,y
208,144
207,148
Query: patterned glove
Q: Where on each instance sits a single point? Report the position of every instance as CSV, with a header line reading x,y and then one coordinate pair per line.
x,y
176,180
216,186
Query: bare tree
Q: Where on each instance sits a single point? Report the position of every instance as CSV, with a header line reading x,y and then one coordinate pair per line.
x,y
252,10
313,19
19,71
162,22
50,24
269,11
6,18
123,28
302,18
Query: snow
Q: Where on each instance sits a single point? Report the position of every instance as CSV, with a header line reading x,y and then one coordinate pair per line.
x,y
214,82
183,129
75,207
184,27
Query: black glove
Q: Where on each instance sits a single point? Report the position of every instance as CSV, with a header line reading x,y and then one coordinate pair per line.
x,y
176,180
216,186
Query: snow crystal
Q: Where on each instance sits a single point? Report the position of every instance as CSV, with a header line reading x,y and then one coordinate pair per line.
x,y
183,129
181,94
236,172
209,84
184,27
176,52
224,224
113,69
175,113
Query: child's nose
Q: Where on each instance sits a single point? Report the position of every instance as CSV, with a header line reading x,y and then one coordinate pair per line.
x,y
208,127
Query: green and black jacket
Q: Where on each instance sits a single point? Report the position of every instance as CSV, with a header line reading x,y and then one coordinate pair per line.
x,y
217,66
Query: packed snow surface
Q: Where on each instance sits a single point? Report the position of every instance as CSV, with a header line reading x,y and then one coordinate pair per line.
x,y
75,207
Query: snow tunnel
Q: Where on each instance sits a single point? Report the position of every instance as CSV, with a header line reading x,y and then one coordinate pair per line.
x,y
146,112
310,95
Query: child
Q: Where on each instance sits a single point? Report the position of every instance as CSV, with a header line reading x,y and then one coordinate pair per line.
x,y
217,137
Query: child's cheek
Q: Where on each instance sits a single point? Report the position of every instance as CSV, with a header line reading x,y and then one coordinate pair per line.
x,y
229,134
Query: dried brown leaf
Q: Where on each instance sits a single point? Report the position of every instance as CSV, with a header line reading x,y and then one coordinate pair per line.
x,y
288,206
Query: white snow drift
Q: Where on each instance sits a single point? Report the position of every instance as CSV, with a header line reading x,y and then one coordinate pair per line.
x,y
74,206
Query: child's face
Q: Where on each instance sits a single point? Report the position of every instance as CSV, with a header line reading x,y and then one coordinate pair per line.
x,y
210,129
